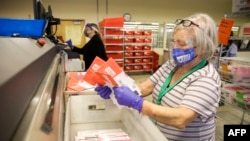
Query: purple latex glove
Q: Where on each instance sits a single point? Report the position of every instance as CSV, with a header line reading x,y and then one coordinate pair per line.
x,y
69,43
104,91
127,97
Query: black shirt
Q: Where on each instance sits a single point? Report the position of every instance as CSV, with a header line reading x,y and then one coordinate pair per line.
x,y
94,47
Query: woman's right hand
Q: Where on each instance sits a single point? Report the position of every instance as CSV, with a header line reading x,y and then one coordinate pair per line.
x,y
103,91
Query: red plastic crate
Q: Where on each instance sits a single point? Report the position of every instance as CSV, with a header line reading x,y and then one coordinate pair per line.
x,y
139,40
115,55
120,64
138,54
148,53
128,61
147,48
128,54
147,33
114,48
112,22
128,40
155,55
129,67
113,41
138,60
146,60
129,47
155,61
147,40
129,32
112,32
138,32
155,65
138,47
147,67
138,67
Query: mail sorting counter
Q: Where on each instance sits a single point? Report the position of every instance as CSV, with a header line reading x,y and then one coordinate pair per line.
x,y
31,87
32,107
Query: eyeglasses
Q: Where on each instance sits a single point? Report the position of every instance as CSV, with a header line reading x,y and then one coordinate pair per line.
x,y
185,23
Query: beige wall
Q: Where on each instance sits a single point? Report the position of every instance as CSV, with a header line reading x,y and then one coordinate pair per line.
x,y
141,10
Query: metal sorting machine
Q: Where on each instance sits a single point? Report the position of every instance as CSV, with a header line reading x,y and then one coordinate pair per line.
x,y
32,107
31,90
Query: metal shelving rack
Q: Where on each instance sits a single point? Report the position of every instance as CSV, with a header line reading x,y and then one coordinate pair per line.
x,y
234,111
116,40
113,38
229,77
230,113
156,28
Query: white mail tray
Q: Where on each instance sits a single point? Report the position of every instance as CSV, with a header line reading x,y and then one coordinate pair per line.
x,y
91,112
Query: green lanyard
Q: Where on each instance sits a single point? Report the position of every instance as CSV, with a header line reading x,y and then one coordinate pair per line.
x,y
165,87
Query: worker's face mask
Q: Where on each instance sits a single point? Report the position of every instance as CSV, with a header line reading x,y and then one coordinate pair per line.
x,y
183,56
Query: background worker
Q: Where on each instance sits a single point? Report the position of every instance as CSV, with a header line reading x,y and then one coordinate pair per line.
x,y
94,47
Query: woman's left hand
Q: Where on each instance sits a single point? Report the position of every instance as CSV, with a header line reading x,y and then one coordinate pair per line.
x,y
127,97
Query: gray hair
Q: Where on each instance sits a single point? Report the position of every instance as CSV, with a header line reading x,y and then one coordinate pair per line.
x,y
205,37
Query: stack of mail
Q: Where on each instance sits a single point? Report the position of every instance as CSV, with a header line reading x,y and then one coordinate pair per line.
x,y
109,73
102,135
75,82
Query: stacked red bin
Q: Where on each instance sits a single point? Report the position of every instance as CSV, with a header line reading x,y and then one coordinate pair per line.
x,y
111,29
138,50
155,61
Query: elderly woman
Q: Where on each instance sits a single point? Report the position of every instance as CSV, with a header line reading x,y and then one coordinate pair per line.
x,y
186,89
